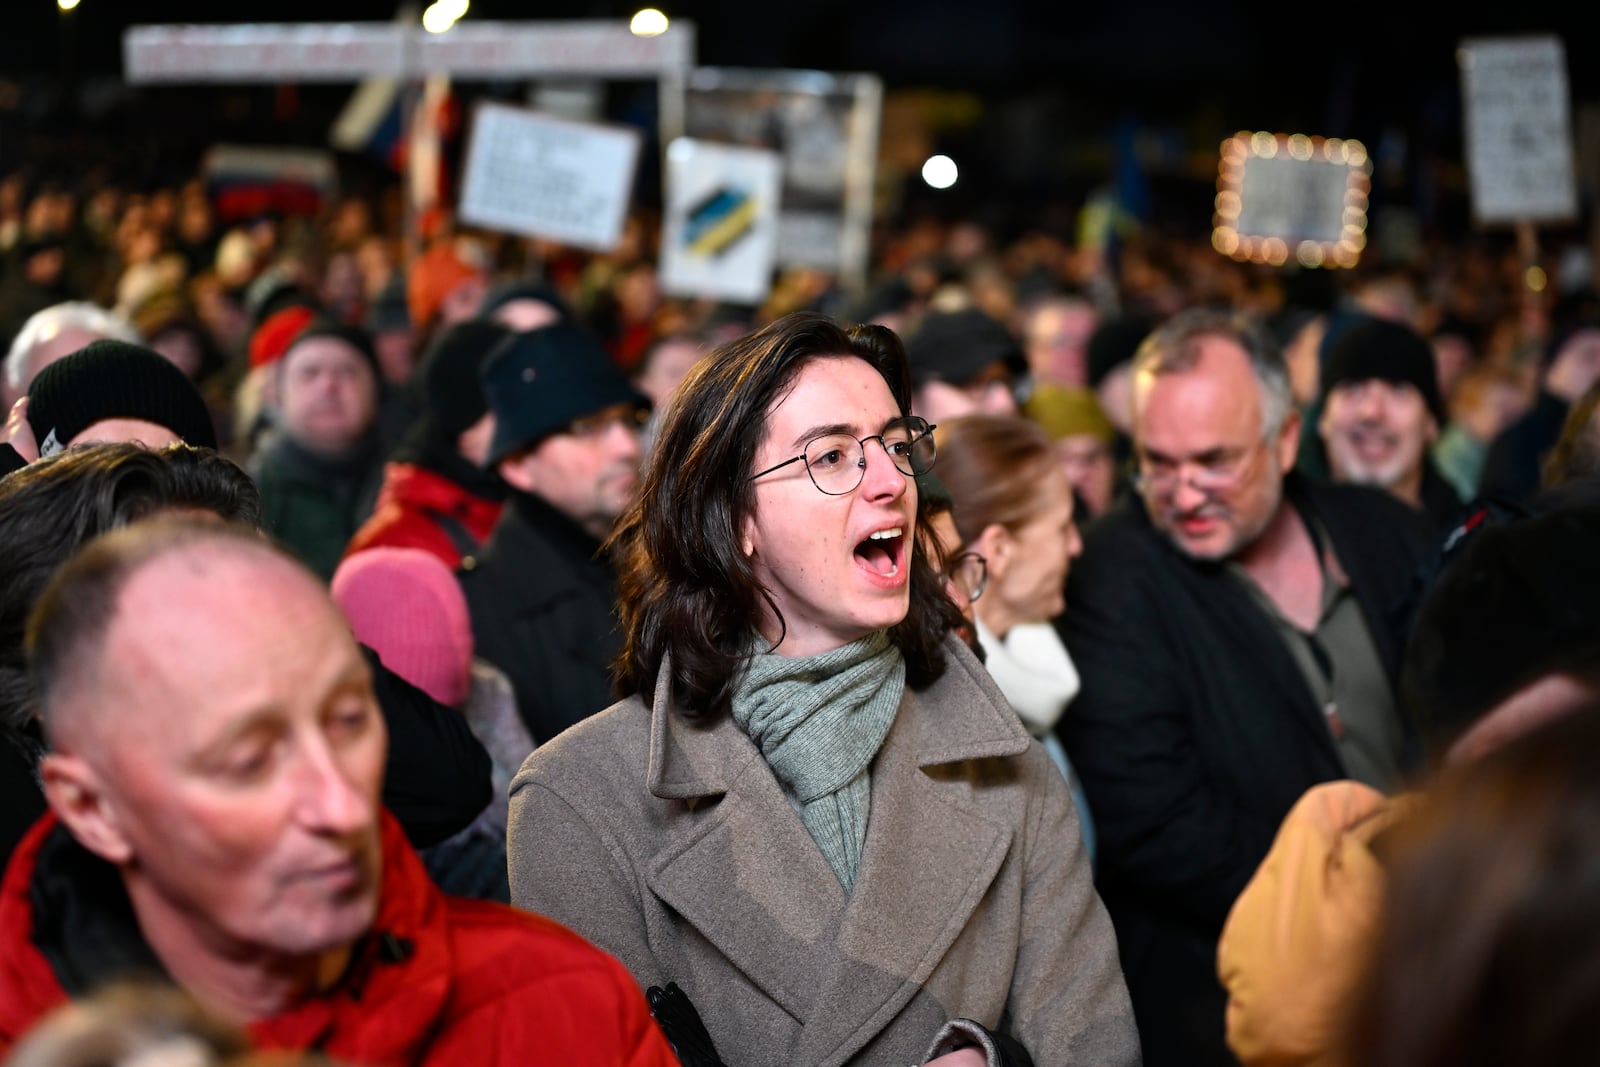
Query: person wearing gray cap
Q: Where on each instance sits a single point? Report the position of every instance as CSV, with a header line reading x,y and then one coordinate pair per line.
x,y
541,594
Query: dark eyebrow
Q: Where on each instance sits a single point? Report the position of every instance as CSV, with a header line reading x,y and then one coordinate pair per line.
x,y
829,429
809,435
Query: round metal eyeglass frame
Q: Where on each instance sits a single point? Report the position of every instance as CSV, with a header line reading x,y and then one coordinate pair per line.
x,y
837,462
970,573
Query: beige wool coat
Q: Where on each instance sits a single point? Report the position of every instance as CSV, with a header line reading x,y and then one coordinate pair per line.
x,y
672,845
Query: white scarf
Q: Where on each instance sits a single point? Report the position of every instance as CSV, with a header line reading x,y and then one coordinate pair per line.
x,y
1032,668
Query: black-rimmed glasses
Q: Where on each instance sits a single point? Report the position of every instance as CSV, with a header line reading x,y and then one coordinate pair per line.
x,y
970,573
837,461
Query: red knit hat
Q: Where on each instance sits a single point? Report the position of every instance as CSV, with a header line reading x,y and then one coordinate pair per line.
x,y
271,339
405,605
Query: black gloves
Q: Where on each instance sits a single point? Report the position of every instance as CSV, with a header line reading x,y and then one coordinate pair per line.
x,y
682,1026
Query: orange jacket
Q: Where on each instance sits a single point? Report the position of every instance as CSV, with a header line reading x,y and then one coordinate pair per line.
x,y
1295,941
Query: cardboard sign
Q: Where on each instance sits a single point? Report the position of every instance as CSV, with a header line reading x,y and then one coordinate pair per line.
x,y
1518,129
541,176
1292,196
720,233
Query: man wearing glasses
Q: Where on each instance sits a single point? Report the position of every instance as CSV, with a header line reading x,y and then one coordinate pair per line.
x,y
1238,631
542,596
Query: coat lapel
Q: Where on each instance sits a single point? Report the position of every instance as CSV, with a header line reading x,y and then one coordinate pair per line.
x,y
746,875
928,862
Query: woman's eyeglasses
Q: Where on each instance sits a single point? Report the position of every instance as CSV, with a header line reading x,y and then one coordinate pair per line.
x,y
837,461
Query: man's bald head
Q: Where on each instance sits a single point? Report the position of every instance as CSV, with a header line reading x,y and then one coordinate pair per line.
x,y
216,738
71,624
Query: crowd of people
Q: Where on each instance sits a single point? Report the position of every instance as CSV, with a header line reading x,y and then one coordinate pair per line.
x,y
442,647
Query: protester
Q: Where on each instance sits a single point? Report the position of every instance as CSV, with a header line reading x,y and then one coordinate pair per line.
x,y
1085,443
1507,640
405,605
543,598
319,477
1237,631
658,374
1381,413
1571,367
1056,340
115,391
436,494
1013,506
108,391
855,852
964,362
216,818
1485,401
52,333
438,777
1485,953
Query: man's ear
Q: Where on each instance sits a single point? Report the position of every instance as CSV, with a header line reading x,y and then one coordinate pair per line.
x,y
1288,444
79,800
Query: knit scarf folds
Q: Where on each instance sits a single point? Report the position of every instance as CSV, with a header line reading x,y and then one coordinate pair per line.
x,y
819,721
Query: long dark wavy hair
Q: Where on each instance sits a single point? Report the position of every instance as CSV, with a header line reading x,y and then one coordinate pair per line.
x,y
684,587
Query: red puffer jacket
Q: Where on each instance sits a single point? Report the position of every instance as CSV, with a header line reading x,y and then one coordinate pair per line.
x,y
439,981
414,507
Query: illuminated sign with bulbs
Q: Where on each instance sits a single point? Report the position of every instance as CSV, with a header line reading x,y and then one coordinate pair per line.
x,y
1283,197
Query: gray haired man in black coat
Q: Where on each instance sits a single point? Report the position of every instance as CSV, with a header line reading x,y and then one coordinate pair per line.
x,y
1238,631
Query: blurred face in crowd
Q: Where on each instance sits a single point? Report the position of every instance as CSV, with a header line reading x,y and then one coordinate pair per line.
x,y
328,394
463,301
525,315
1377,433
1211,481
1115,394
1091,469
1028,563
665,368
1452,355
589,471
236,791
946,544
1576,367
992,391
182,349
837,567
1057,341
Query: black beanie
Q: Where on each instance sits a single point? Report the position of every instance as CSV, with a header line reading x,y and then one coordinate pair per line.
x,y
354,336
1386,351
115,380
955,347
1114,343
1516,605
448,377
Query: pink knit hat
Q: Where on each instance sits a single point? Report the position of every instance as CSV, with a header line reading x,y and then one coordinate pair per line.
x,y
405,605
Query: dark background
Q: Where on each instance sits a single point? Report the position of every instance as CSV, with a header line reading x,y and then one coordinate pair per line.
x,y
1055,85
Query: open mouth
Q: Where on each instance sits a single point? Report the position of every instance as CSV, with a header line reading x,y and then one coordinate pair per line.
x,y
882,552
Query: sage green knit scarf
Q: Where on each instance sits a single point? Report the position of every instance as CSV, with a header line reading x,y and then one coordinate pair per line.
x,y
819,721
